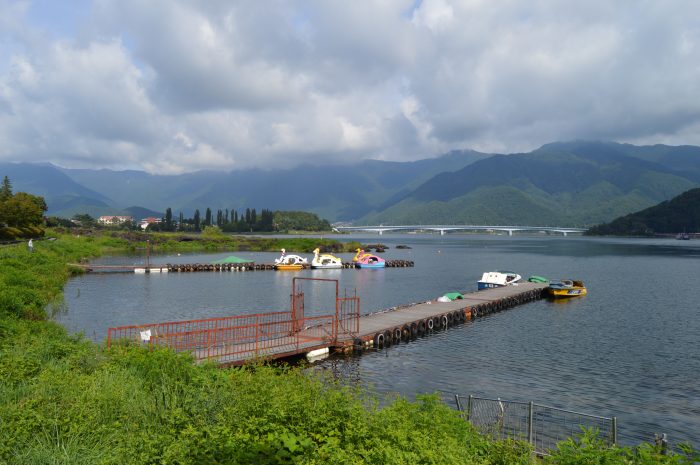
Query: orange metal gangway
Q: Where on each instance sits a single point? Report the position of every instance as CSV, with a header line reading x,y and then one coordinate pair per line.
x,y
236,339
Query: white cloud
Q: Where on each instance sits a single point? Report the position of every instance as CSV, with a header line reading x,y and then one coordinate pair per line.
x,y
173,86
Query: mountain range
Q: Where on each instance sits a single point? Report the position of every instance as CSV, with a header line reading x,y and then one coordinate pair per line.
x,y
578,183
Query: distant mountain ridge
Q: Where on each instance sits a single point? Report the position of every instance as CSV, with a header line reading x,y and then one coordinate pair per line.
x,y
681,214
334,192
578,183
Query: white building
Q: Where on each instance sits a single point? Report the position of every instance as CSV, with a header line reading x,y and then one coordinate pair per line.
x,y
114,220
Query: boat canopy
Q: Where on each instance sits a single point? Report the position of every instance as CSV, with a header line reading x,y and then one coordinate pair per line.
x,y
230,259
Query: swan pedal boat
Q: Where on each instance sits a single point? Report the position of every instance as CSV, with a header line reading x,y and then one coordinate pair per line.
x,y
567,288
289,262
366,260
325,261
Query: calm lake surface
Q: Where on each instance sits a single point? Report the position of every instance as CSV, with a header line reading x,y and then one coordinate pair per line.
x,y
630,349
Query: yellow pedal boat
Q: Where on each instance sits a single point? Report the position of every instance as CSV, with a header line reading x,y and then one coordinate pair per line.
x,y
567,288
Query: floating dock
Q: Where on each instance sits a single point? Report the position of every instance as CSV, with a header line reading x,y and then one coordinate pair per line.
x,y
201,267
239,339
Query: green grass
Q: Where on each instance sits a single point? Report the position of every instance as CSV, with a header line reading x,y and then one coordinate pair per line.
x,y
66,400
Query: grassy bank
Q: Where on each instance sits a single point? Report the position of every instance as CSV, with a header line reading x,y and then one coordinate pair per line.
x,y
67,400
129,241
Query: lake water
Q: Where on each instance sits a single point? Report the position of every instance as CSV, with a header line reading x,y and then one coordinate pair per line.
x,y
629,349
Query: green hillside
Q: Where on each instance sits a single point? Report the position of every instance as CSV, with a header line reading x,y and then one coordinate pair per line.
x,y
577,186
680,214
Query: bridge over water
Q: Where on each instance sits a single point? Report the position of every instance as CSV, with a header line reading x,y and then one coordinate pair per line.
x,y
445,228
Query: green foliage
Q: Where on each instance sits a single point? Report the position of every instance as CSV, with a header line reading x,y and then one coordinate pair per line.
x,y
85,220
299,221
212,231
589,449
21,214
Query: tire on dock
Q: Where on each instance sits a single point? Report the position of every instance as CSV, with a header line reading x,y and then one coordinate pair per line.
x,y
357,344
387,338
406,333
396,336
379,340
444,321
430,324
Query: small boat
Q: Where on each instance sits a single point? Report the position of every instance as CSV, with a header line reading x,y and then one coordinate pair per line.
x,y
289,262
363,259
326,260
567,288
683,237
492,279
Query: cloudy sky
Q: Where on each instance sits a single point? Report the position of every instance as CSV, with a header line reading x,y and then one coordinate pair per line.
x,y
172,86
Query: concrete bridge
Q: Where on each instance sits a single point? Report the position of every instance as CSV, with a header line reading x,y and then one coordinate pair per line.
x,y
460,227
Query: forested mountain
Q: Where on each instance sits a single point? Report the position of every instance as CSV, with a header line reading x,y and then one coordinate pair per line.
x,y
574,184
678,215
564,184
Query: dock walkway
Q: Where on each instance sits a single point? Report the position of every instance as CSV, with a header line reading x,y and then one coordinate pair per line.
x,y
238,339
471,305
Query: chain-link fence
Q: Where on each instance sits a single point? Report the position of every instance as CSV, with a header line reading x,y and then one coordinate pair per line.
x,y
540,425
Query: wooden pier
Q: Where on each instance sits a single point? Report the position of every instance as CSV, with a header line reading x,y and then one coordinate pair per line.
x,y
240,339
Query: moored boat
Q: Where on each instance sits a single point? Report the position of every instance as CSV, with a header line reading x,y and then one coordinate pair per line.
x,y
492,279
363,259
289,262
325,261
567,288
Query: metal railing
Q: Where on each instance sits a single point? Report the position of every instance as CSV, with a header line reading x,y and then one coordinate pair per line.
x,y
235,339
541,426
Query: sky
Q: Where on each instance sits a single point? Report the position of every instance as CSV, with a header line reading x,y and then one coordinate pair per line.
x,y
182,85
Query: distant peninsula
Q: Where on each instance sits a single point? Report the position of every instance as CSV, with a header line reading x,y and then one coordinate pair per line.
x,y
679,215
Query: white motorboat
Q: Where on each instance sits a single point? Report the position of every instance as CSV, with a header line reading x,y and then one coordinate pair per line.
x,y
492,279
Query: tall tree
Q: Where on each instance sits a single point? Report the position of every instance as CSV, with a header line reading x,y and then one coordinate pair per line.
x,y
6,189
253,217
247,215
196,220
207,217
168,219
181,221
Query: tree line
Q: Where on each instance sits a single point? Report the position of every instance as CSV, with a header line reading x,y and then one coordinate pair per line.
x,y
21,214
248,220
226,220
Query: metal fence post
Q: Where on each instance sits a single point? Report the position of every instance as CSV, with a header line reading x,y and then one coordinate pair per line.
x,y
459,405
530,423
614,431
469,407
